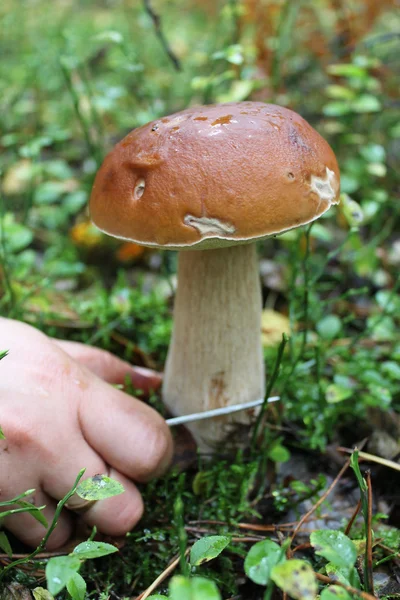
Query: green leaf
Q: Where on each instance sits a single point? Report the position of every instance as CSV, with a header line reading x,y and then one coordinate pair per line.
x,y
261,559
349,183
377,169
207,548
35,511
40,593
158,597
76,587
49,192
335,546
337,393
234,54
5,544
356,468
335,592
99,487
17,236
339,92
373,153
114,37
329,327
296,578
195,588
75,201
93,549
238,91
2,436
3,354
366,103
352,211
336,109
388,301
26,507
346,575
347,70
279,453
59,571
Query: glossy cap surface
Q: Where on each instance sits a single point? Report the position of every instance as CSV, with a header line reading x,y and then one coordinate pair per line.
x,y
214,176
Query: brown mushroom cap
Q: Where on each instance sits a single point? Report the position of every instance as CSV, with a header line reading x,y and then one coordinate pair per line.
x,y
215,176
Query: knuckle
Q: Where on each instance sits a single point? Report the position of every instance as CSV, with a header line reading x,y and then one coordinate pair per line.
x,y
19,433
158,451
107,359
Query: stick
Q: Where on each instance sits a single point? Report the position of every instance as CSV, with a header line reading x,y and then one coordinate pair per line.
x,y
353,517
372,458
171,567
348,588
317,504
159,33
368,548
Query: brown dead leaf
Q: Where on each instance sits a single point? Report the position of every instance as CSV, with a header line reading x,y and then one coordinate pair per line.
x,y
86,235
273,325
18,177
129,252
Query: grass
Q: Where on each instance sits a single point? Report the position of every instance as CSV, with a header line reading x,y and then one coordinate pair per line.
x,y
73,85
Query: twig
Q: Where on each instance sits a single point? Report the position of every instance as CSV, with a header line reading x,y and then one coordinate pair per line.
x,y
317,504
305,546
306,273
171,567
392,554
372,458
246,538
85,126
250,526
348,588
368,548
159,33
271,384
353,518
49,531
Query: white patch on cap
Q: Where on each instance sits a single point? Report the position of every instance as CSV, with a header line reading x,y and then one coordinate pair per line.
x,y
139,189
209,226
176,120
324,188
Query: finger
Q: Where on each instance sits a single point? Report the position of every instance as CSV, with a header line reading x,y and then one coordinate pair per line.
x,y
129,435
112,516
60,470
110,368
31,532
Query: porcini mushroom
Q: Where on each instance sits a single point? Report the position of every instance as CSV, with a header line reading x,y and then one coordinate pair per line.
x,y
210,181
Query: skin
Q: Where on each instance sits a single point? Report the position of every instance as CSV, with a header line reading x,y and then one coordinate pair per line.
x,y
59,414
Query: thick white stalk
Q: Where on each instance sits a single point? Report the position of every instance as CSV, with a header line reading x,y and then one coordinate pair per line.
x,y
215,356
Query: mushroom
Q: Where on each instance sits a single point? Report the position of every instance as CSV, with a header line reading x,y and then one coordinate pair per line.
x,y
209,182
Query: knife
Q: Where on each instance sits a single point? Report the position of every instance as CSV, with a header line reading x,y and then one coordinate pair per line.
x,y
217,412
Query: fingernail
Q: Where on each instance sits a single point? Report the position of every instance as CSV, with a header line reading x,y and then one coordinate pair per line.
x,y
148,373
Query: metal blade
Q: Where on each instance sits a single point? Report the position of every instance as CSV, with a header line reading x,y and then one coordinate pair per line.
x,y
217,412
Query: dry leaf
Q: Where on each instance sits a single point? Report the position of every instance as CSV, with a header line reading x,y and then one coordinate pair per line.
x,y
273,324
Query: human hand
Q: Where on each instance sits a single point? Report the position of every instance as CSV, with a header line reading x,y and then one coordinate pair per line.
x,y
59,414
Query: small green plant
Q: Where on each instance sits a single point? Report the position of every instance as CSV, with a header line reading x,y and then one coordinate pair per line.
x,y
270,564
62,571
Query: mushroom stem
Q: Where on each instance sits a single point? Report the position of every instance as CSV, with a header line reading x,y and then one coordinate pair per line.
x,y
215,356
